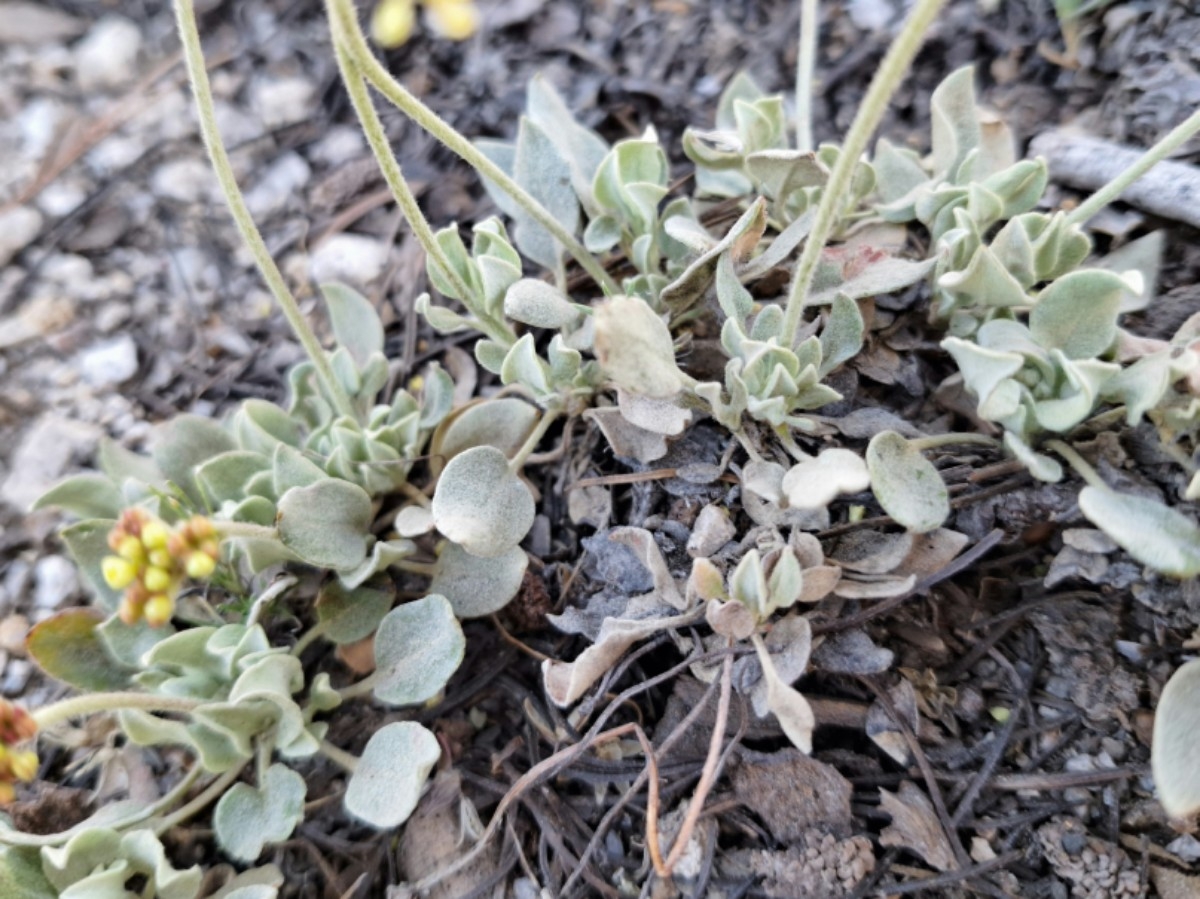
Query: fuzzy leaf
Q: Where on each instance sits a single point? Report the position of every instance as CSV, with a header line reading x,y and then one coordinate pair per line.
x,y
85,496
348,616
1155,535
356,324
476,587
635,348
1175,752
67,647
482,505
387,782
954,121
842,337
815,483
791,709
246,819
326,524
417,647
21,875
87,543
906,484
1078,313
186,442
540,168
226,477
501,423
542,305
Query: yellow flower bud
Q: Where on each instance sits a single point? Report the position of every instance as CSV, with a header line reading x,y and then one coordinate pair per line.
x,y
200,565
155,535
161,558
131,550
24,765
130,609
392,22
455,19
200,527
159,609
118,573
157,580
7,793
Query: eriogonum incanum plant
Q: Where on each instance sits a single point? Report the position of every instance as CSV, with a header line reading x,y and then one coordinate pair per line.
x,y
153,560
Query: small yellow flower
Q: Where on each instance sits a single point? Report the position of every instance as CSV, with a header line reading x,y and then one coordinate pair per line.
x,y
454,19
155,535
158,610
24,765
157,580
118,573
131,550
392,22
161,558
200,565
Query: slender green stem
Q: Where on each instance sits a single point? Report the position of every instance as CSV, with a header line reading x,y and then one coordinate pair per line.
x,y
1156,154
518,461
309,636
245,529
360,688
189,34
342,12
933,441
1080,464
339,756
806,61
268,596
372,126
425,569
202,800
94,703
887,78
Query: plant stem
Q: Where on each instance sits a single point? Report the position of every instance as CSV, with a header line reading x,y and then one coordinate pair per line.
x,y
1080,464
339,756
933,441
203,799
1160,151
268,596
887,78
518,461
806,60
245,530
308,637
189,35
343,12
94,703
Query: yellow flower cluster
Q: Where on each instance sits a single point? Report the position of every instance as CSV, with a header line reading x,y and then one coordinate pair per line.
x,y
152,560
393,20
16,726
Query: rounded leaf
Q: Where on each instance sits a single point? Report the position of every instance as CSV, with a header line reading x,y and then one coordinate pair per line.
x,y
387,782
246,818
1078,313
475,586
481,504
635,348
67,646
906,484
816,482
503,423
1162,538
348,616
417,647
1175,752
326,524
534,302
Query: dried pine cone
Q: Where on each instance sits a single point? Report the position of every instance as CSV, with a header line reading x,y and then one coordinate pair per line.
x,y
821,865
1094,869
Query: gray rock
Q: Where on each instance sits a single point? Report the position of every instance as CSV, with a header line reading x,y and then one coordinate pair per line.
x,y
56,581
34,23
43,456
282,101
352,258
278,184
185,180
107,56
18,227
109,363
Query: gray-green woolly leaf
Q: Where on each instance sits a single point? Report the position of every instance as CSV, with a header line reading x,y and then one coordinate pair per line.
x,y
524,366
68,647
503,154
786,583
635,349
476,587
887,274
984,282
899,171
1143,256
413,521
1019,187
761,123
1141,386
781,247
1155,535
954,121
460,263
98,862
657,416
356,324
582,148
384,554
326,524
983,369
345,370
1078,313
631,181
791,709
121,464
260,426
347,616
490,355
291,468
387,781
440,318
225,478
1076,393
542,305
738,242
21,874
842,336
651,558
185,442
627,439
503,423
437,397
85,496
748,585
736,301
768,323
127,644
1039,465
417,647
906,484
602,234
246,819
482,505
255,510
257,883
540,168
781,172
87,544
1175,750
817,482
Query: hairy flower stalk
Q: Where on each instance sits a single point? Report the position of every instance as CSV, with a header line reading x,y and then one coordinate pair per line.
x,y
153,560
